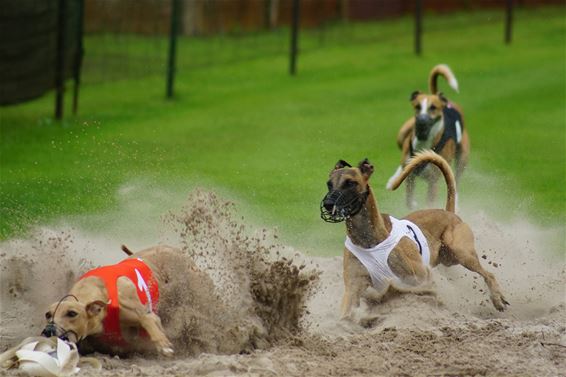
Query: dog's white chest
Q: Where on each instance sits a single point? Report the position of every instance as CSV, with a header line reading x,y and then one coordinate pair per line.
x,y
421,145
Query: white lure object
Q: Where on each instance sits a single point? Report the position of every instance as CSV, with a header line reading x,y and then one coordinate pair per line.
x,y
45,357
43,360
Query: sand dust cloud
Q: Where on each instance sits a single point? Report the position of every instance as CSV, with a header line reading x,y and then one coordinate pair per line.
x,y
269,310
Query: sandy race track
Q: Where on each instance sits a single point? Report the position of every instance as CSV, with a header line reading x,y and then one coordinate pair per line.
x,y
282,306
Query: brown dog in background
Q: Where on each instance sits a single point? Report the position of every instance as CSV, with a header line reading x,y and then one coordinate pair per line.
x,y
448,239
438,125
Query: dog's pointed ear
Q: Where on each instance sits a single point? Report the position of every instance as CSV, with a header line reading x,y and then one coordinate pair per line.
x,y
415,94
94,308
342,164
366,168
442,98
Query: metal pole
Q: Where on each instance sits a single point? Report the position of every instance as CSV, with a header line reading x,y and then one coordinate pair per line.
x,y
79,56
294,37
60,60
508,21
418,26
172,57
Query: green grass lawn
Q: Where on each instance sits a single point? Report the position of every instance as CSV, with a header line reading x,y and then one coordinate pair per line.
x,y
268,140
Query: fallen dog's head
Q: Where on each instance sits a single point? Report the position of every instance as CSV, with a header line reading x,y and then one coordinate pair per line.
x,y
71,320
347,191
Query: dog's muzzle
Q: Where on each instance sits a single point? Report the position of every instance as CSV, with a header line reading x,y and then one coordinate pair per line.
x,y
53,330
423,125
49,330
337,206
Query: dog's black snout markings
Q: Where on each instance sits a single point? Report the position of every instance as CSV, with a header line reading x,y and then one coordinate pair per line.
x,y
331,199
49,330
327,204
423,119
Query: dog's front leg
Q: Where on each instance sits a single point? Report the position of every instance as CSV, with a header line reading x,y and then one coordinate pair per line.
x,y
356,280
152,325
351,298
133,312
406,263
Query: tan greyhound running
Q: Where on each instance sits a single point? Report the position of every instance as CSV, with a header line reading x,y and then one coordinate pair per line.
x,y
437,124
381,250
114,308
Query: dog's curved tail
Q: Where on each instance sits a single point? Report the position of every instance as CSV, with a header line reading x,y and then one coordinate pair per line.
x,y
441,70
126,250
424,157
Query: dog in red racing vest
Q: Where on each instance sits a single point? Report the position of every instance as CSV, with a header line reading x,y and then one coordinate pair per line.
x,y
114,308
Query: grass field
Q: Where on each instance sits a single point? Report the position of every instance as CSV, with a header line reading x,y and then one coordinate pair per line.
x,y
268,140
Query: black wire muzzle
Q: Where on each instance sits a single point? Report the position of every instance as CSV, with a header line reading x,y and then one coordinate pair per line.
x,y
338,205
52,328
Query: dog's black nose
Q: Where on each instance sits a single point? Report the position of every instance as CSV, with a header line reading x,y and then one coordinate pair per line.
x,y
49,331
423,119
328,205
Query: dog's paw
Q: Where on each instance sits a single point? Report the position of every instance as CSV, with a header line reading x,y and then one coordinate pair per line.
x,y
500,302
165,348
167,351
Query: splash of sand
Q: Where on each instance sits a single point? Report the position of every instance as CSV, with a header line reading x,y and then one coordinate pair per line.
x,y
254,298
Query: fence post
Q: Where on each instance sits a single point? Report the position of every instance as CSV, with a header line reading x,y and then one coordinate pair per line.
x,y
60,59
79,56
172,56
294,37
418,26
508,21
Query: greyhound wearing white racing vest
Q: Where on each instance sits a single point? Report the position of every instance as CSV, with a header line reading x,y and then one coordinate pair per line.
x,y
423,239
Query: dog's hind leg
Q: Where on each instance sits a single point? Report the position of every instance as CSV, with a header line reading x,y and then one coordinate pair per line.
x,y
462,157
410,193
432,191
460,241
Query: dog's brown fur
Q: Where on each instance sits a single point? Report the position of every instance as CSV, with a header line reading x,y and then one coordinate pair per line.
x,y
90,307
450,240
435,103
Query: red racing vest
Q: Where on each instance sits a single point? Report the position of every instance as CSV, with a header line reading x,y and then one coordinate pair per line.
x,y
146,287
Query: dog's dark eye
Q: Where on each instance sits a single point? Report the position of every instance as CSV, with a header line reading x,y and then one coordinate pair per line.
x,y
418,107
72,313
48,315
349,183
432,108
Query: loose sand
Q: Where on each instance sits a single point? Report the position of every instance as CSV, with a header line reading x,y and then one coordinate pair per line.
x,y
279,308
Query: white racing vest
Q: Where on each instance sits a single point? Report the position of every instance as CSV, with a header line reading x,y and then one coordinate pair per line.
x,y
375,258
